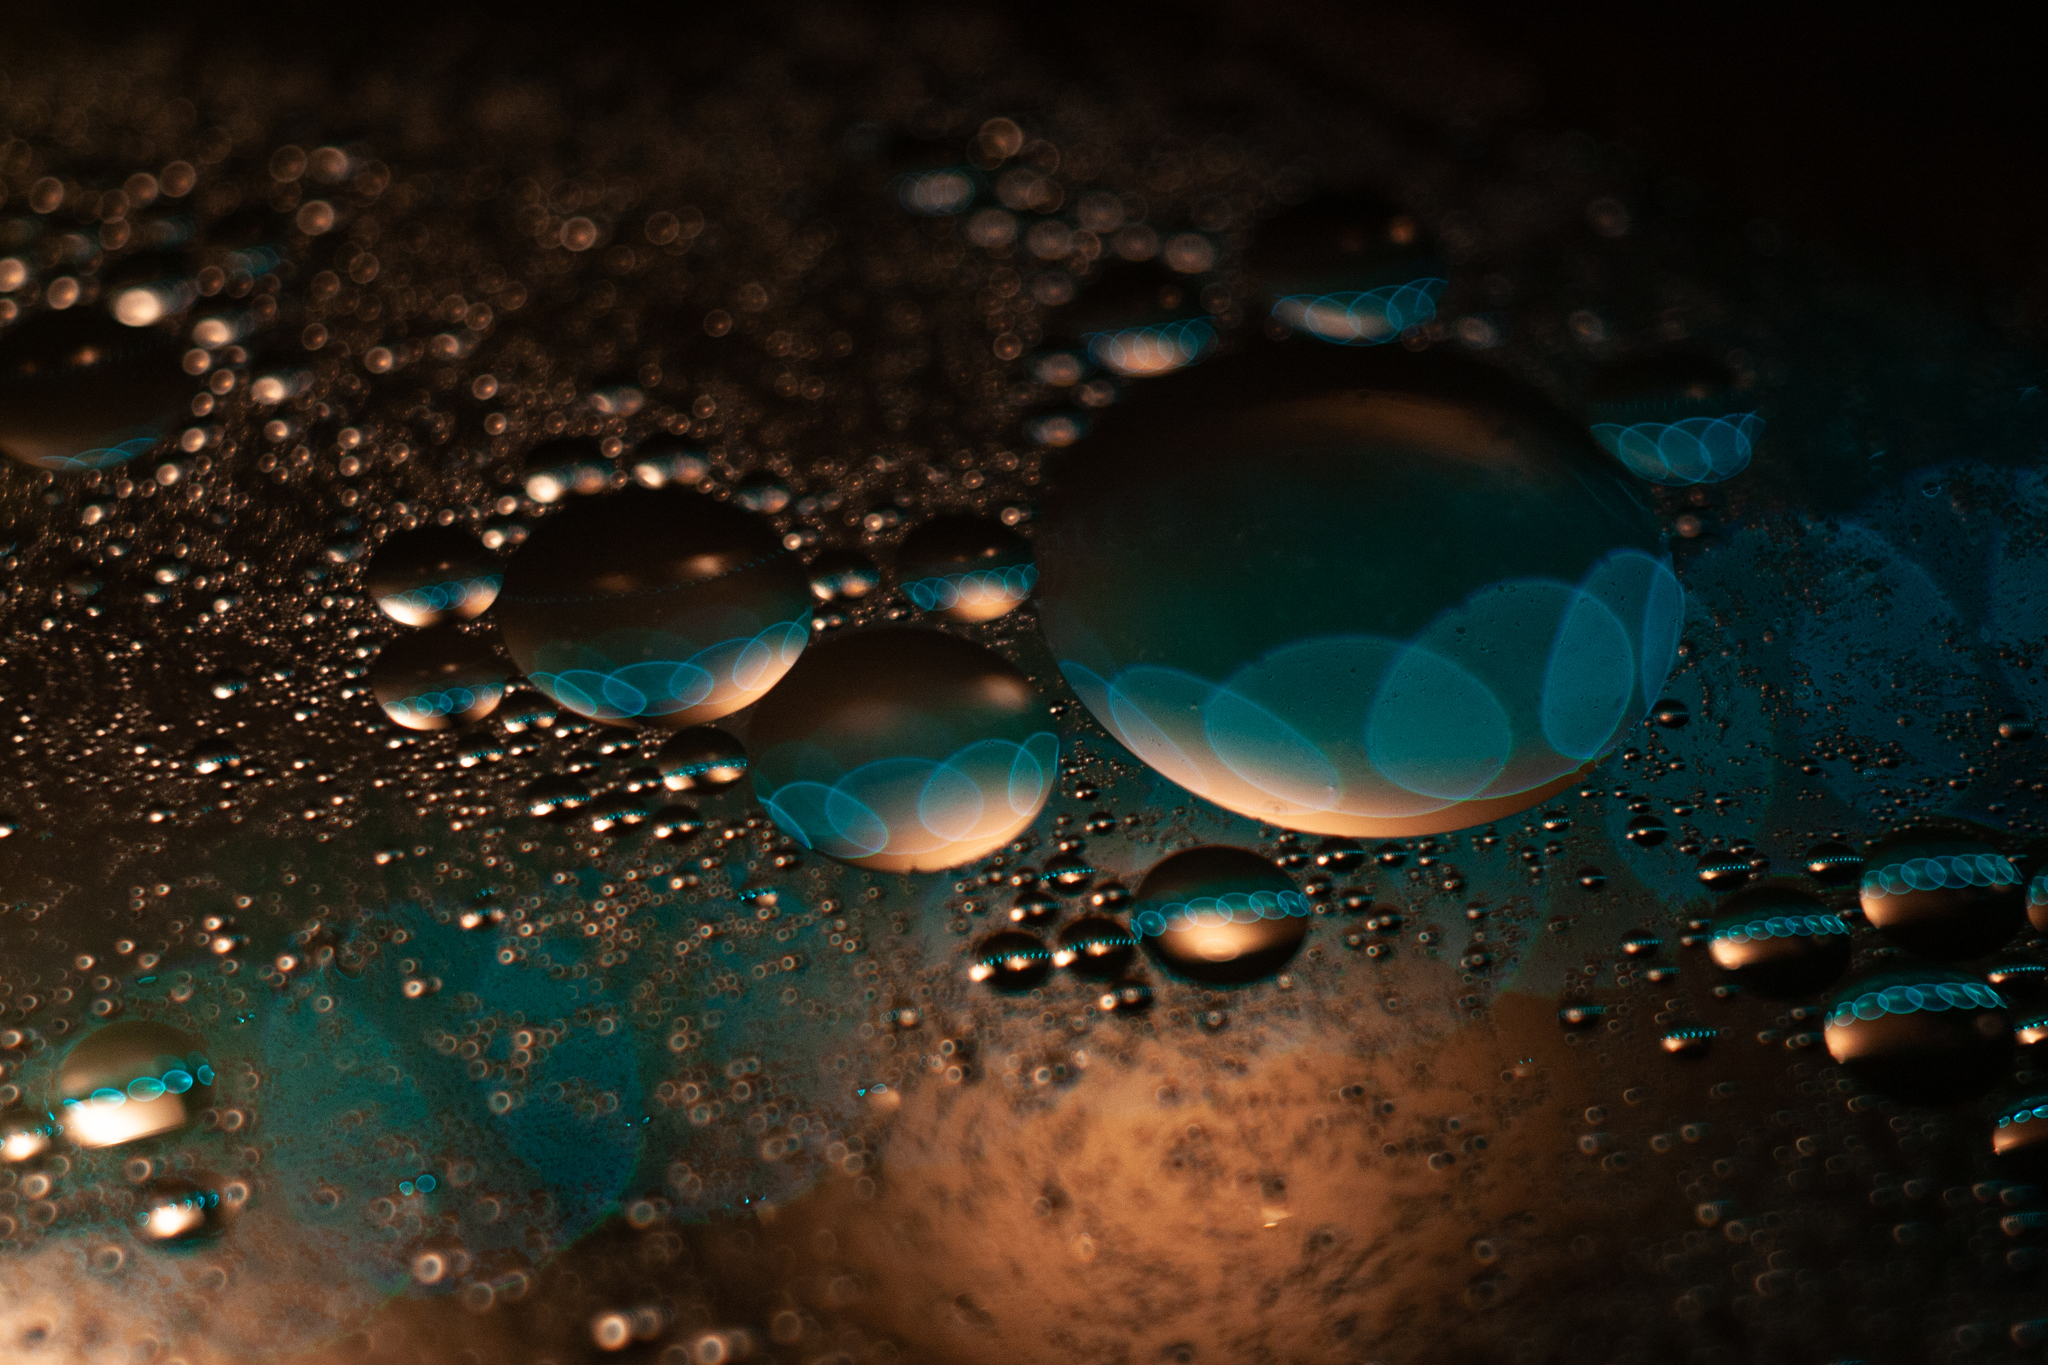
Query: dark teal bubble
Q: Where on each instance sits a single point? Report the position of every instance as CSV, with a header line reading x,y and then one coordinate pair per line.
x,y
1922,1035
904,750
79,391
1354,595
654,605
1221,916
1942,895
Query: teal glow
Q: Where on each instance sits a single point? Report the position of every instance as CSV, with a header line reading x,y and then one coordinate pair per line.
x,y
1369,317
1783,926
1695,450
1934,874
1930,998
1208,912
661,687
974,587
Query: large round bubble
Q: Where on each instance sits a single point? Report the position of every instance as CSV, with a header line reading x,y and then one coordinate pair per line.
x,y
1224,916
654,605
437,679
433,574
903,750
1942,896
1357,593
131,1080
79,391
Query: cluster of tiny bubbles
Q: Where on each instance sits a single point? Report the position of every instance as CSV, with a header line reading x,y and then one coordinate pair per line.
x,y
1671,419
1096,947
2021,1128
80,392
1219,915
1011,961
131,1080
437,678
1942,896
1922,1035
1779,941
702,759
965,568
1370,317
655,605
1387,659
432,575
903,750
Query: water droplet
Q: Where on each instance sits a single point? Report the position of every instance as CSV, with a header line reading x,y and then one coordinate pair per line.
x,y
556,469
843,575
1921,1035
1225,916
1779,941
761,491
1671,714
1095,947
702,759
438,678
1833,864
1379,660
1724,869
653,605
1346,268
79,391
676,824
1592,878
965,568
903,750
178,1210
1942,896
1647,831
132,1080
431,575
2015,727
1010,961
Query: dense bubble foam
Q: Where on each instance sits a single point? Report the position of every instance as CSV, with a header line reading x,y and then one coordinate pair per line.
x,y
903,750
1392,659
654,605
